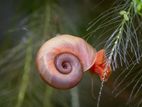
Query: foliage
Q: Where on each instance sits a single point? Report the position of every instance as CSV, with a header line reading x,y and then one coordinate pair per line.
x,y
118,30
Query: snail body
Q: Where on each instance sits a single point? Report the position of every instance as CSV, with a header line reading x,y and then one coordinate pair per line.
x,y
62,60
100,66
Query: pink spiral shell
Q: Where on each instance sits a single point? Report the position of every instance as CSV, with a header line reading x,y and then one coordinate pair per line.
x,y
62,60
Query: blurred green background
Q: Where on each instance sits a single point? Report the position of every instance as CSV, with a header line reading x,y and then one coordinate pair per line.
x,y
25,25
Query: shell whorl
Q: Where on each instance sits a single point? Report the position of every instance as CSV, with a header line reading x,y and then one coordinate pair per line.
x,y
62,60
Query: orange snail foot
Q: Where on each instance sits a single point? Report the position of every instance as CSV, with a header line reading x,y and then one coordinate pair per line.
x,y
100,66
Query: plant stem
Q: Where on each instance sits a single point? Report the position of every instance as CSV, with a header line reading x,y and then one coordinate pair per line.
x,y
25,78
74,97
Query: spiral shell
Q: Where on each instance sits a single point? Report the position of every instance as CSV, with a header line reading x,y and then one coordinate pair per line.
x,y
62,60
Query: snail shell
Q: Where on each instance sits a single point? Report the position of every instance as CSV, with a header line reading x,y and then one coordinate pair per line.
x,y
62,60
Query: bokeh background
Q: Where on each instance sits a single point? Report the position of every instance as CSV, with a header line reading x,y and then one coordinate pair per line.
x,y
27,24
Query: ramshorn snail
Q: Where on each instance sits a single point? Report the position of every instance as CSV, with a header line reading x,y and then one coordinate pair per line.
x,y
62,61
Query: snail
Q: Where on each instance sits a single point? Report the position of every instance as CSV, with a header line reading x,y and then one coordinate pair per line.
x,y
62,61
